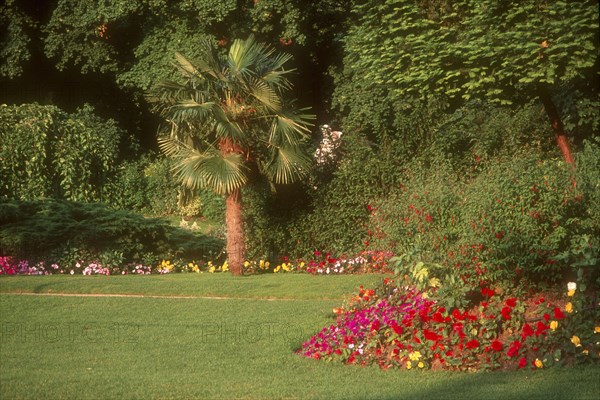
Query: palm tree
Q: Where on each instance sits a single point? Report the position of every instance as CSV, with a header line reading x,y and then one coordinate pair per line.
x,y
226,117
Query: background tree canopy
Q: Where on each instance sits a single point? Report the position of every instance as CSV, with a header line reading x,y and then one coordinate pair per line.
x,y
417,86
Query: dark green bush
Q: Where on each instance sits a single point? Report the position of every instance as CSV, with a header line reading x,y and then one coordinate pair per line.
x,y
329,213
51,230
147,185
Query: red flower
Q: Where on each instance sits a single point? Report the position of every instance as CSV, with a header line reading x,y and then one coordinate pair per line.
x,y
496,345
506,313
487,292
437,317
558,314
429,335
527,331
457,315
547,317
522,362
472,344
458,328
514,348
511,302
541,328
397,328
375,325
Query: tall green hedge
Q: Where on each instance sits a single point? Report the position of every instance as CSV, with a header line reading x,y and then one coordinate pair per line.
x,y
46,152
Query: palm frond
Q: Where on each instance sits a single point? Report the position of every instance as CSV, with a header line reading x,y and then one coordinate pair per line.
x,y
289,129
185,66
243,54
288,164
277,78
232,130
221,174
204,169
190,110
265,94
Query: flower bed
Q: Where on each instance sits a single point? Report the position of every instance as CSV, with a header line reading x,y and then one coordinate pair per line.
x,y
321,264
400,327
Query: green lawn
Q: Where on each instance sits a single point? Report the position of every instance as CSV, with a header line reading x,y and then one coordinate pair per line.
x,y
242,346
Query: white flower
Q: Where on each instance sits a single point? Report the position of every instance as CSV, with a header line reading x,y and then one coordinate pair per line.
x,y
571,286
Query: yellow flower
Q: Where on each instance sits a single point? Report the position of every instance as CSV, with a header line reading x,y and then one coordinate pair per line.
x,y
553,325
211,269
225,267
261,264
414,356
597,329
586,352
408,365
246,264
267,264
570,293
538,363
576,341
302,265
569,307
277,268
421,365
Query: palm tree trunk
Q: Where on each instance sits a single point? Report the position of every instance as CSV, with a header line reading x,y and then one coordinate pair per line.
x,y
561,137
235,232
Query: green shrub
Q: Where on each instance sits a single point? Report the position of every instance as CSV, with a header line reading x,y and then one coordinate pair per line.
x,y
46,152
522,220
54,230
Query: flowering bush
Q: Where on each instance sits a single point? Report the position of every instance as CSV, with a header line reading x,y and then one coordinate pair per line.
x,y
500,226
398,326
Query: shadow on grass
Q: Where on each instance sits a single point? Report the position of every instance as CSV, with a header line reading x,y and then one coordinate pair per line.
x,y
559,384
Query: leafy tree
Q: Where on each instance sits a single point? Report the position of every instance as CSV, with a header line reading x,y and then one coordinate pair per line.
x,y
226,118
15,28
504,51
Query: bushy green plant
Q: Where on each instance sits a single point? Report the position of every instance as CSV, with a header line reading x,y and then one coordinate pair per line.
x,y
522,219
46,152
60,230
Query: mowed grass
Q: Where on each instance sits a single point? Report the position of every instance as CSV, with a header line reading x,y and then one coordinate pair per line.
x,y
267,286
240,346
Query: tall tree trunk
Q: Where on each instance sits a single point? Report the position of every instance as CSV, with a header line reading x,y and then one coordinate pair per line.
x,y
557,125
235,232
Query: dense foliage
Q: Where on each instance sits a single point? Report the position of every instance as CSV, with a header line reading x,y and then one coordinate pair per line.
x,y
61,231
46,152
